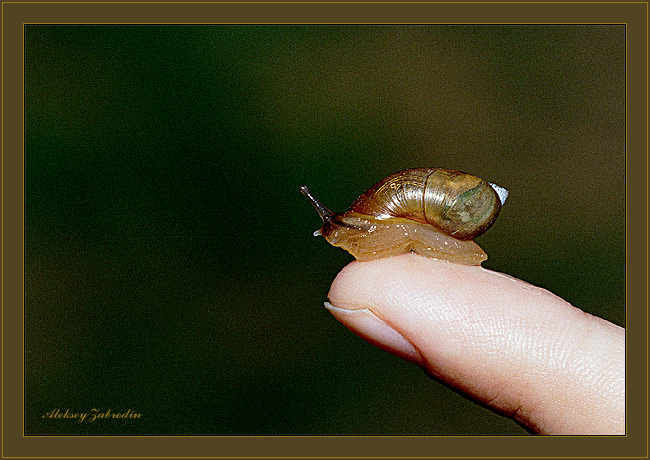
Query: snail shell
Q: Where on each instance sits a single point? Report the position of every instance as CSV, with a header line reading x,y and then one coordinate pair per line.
x,y
433,212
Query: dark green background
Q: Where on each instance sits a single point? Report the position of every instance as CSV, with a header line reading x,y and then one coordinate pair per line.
x,y
169,261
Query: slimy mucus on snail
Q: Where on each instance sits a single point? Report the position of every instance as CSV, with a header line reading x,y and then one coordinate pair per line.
x,y
431,211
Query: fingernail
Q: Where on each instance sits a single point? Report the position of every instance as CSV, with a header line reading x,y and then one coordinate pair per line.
x,y
371,328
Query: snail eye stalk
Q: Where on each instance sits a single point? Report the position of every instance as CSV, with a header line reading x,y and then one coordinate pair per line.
x,y
323,211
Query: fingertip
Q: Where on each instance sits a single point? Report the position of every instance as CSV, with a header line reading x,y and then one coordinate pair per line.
x,y
360,283
494,337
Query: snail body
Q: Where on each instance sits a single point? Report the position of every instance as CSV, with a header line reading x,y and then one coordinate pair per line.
x,y
431,211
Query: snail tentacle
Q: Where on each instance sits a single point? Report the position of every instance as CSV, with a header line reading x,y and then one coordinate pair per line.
x,y
323,211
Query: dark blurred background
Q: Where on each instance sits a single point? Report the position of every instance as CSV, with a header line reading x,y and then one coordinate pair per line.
x,y
170,266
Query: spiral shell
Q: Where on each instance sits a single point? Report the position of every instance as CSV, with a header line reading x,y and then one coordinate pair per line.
x,y
431,211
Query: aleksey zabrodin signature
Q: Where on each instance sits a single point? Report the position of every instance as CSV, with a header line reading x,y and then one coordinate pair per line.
x,y
90,416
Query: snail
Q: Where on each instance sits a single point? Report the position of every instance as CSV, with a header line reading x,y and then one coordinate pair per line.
x,y
431,211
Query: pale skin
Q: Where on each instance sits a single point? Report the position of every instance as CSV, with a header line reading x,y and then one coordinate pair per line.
x,y
500,341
